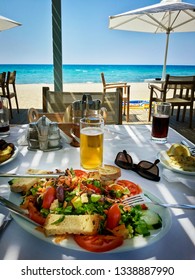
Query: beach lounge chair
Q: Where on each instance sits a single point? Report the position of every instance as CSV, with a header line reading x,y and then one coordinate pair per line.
x,y
60,102
177,90
126,93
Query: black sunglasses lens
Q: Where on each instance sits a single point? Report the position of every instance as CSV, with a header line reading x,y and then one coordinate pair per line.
x,y
123,160
148,170
150,167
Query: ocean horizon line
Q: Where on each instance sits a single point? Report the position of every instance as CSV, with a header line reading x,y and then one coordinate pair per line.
x,y
90,73
98,64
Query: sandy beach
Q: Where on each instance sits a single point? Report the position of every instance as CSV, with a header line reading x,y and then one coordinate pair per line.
x,y
30,95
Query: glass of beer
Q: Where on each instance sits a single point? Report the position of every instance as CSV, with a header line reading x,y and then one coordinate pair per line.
x,y
91,142
4,117
160,121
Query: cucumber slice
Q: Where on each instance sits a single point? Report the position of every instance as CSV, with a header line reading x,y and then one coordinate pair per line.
x,y
152,219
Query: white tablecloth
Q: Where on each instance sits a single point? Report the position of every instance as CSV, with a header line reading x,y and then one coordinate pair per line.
x,y
178,243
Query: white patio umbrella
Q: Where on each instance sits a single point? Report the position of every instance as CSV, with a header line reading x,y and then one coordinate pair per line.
x,y
6,23
166,17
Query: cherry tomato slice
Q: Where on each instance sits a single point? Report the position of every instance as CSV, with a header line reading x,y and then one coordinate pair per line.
x,y
80,173
113,216
35,215
134,188
94,188
98,243
48,198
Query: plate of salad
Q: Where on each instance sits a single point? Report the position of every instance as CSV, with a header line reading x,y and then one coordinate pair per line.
x,y
80,211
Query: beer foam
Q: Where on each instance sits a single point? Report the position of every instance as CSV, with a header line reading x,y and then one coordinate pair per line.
x,y
91,131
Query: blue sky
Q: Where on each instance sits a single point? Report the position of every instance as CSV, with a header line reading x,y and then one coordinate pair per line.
x,y
85,34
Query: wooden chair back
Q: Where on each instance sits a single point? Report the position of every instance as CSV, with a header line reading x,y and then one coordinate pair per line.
x,y
103,80
2,83
34,115
62,101
125,96
177,90
11,92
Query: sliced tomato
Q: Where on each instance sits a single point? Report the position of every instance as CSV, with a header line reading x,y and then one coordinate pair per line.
x,y
98,243
80,173
48,197
94,188
134,188
115,187
35,215
144,207
113,216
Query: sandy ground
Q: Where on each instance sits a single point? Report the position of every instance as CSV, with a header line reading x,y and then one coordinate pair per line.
x,y
30,95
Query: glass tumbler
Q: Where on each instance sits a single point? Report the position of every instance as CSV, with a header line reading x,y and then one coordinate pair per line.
x,y
91,142
160,122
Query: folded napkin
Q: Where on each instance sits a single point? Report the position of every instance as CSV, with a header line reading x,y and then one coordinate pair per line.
x,y
22,141
172,177
65,137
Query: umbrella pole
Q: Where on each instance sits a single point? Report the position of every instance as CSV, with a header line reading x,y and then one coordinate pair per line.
x,y
165,59
57,45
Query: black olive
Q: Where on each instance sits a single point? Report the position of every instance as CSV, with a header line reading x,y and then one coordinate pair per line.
x,y
60,193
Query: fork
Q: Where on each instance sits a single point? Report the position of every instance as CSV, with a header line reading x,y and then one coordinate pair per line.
x,y
143,198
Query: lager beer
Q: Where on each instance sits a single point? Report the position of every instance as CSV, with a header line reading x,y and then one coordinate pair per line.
x,y
91,145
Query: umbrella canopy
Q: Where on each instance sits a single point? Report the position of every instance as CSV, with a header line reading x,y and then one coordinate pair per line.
x,y
6,23
166,17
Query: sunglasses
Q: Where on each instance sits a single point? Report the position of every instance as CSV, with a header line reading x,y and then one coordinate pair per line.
x,y
144,168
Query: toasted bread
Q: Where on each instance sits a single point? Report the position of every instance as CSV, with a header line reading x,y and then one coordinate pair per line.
x,y
22,184
56,224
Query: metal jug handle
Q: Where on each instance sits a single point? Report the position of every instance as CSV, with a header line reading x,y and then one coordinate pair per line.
x,y
68,114
104,113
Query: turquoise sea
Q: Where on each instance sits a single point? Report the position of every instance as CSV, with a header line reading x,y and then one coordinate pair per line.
x,y
43,73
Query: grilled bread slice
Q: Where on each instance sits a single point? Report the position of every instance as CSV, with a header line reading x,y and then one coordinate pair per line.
x,y
56,224
22,185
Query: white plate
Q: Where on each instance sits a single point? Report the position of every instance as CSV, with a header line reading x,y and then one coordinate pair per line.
x,y
162,157
12,157
129,244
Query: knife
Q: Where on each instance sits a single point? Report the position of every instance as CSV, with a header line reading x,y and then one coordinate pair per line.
x,y
51,175
6,222
15,209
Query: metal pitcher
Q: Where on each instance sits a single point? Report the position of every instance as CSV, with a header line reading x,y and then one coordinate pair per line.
x,y
87,107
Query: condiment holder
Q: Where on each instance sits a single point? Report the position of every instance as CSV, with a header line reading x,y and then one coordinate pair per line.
x,y
43,135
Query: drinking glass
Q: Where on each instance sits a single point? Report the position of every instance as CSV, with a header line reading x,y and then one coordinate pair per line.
x,y
160,121
91,142
4,117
